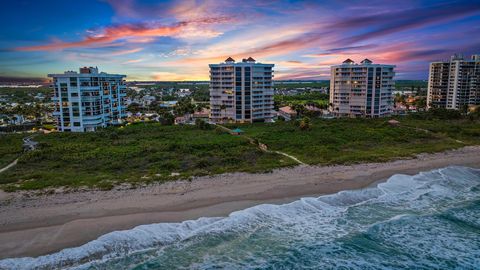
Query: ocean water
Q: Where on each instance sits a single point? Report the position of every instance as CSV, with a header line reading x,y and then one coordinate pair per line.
x,y
427,221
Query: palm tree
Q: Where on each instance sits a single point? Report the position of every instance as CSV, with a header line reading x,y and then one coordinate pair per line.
x,y
298,108
183,107
39,112
464,109
330,106
305,124
224,108
199,107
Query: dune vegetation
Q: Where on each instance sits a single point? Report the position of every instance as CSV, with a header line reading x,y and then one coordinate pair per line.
x,y
152,152
133,154
344,141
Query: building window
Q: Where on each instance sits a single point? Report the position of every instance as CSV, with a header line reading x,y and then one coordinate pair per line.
x,y
73,81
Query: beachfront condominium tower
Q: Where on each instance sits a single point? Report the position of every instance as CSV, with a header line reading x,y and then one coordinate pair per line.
x,y
454,84
361,90
87,100
241,91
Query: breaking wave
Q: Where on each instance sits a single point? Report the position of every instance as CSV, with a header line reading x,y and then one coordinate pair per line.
x,y
429,220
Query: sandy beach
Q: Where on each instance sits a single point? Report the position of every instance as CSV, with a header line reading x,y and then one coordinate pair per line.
x,y
42,224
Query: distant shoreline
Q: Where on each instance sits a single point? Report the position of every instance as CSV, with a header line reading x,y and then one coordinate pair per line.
x,y
33,226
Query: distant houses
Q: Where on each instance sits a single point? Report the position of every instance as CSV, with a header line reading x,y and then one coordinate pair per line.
x,y
203,115
168,104
147,100
183,92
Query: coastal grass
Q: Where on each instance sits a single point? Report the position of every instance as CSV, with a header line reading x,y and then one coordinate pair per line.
x,y
151,152
347,141
10,148
135,154
463,130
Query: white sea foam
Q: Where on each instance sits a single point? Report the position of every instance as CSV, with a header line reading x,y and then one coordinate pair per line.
x,y
385,210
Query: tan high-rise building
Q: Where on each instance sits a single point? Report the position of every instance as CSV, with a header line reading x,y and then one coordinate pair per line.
x,y
241,91
454,84
361,90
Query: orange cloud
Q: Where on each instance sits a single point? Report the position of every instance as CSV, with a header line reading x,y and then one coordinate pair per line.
x,y
279,48
133,61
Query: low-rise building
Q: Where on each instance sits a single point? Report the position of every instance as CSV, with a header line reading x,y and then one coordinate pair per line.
x,y
204,114
183,92
287,113
147,100
168,104
181,120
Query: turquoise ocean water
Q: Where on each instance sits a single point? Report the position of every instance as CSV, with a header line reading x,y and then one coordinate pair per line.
x,y
426,221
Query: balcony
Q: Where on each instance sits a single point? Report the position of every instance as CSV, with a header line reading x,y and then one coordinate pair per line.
x,y
91,98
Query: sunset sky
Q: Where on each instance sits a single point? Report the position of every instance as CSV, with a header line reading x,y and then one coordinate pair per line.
x,y
176,40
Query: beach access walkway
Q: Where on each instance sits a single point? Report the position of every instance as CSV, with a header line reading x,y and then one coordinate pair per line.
x,y
28,145
260,145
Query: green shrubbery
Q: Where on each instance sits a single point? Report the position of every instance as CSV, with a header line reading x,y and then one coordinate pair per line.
x,y
361,140
438,113
136,153
152,152
304,124
10,148
201,124
318,100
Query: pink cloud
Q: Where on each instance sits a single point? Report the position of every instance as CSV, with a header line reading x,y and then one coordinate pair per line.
x,y
135,32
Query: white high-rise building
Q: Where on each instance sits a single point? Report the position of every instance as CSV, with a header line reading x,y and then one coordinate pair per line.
x,y
454,84
361,90
87,100
241,91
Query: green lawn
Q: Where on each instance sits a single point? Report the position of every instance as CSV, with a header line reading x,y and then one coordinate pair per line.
x,y
136,153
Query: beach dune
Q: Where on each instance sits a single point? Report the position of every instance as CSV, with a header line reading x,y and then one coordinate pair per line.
x,y
42,224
